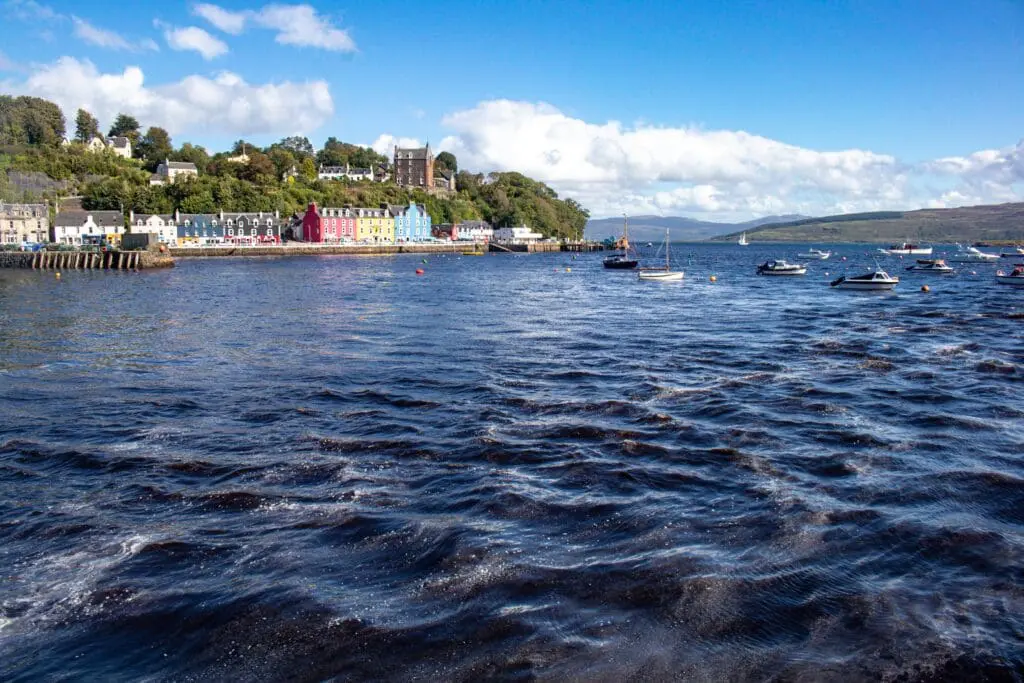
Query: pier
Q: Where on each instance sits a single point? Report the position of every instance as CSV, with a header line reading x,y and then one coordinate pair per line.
x,y
85,260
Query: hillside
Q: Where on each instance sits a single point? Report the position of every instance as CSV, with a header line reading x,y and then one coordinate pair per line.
x,y
36,166
650,228
991,223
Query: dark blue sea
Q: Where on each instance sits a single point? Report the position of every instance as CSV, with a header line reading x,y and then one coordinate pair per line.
x,y
331,468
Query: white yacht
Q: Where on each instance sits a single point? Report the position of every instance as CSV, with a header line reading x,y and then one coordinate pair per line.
x,y
936,266
743,240
781,268
813,254
907,249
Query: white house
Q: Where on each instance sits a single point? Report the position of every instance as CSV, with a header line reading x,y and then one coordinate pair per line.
x,y
164,226
121,146
171,171
520,235
96,144
344,172
88,227
474,231
21,223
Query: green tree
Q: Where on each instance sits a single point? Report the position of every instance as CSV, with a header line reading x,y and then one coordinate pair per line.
x,y
154,147
86,126
447,161
283,160
30,121
193,153
309,169
125,126
260,169
297,145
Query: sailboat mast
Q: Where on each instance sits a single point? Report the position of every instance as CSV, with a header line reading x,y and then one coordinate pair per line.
x,y
666,250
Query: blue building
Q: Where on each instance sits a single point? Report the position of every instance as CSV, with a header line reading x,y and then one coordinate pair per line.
x,y
412,223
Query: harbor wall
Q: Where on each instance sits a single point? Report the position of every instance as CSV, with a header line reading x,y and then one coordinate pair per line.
x,y
313,250
85,260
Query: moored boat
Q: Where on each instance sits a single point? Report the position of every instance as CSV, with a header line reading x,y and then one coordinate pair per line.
x,y
781,268
663,274
814,254
937,266
1014,277
907,249
1018,252
743,240
875,280
972,255
623,261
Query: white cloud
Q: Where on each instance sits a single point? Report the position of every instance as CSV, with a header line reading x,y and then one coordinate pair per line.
x,y
385,144
227,21
195,38
108,39
224,103
27,10
612,168
299,25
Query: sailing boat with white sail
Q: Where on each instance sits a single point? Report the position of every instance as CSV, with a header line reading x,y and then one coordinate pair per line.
x,y
743,240
665,274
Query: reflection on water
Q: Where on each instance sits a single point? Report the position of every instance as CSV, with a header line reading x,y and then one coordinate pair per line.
x,y
315,467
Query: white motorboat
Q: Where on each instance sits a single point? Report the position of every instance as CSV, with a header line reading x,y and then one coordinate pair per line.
x,y
1018,252
907,249
813,254
664,274
875,280
936,266
781,268
1014,277
972,255
743,240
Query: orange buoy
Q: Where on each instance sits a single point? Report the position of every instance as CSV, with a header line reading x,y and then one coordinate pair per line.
x,y
924,288
713,278
420,271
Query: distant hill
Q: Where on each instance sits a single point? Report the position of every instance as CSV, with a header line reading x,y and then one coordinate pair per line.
x,y
990,223
652,228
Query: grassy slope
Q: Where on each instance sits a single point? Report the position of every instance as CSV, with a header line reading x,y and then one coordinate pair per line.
x,y
995,223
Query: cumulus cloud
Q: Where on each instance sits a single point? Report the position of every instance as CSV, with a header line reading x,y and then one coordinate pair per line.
x,y
194,38
611,167
224,103
298,25
385,144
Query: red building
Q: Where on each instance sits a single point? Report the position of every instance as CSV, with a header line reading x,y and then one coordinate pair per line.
x,y
328,225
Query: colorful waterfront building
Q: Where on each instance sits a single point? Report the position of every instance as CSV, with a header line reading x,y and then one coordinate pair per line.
x,y
339,225
374,226
412,223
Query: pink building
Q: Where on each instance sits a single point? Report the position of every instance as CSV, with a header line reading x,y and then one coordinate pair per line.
x,y
328,225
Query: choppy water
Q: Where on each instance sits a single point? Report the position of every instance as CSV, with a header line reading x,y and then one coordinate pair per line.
x,y
327,467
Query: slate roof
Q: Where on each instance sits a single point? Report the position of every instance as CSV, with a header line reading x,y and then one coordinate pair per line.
x,y
182,166
421,153
75,218
119,141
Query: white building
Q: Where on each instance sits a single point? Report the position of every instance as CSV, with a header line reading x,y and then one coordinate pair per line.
x,y
121,146
345,172
520,235
171,171
475,231
164,226
24,223
88,227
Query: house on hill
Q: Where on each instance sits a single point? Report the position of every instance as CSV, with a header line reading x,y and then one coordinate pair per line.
x,y
171,171
414,167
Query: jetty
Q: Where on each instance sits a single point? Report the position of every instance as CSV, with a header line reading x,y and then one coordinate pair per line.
x,y
85,260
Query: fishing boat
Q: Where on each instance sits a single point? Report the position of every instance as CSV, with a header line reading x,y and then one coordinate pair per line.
x,y
972,255
875,280
813,254
623,261
661,274
1014,277
1018,252
743,240
936,266
781,268
907,249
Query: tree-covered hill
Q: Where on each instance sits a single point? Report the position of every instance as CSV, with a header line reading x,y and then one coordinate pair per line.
x,y
281,177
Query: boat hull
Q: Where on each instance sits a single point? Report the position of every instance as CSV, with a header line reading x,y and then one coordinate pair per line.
x,y
966,259
618,264
782,273
926,251
814,257
865,286
1016,280
660,276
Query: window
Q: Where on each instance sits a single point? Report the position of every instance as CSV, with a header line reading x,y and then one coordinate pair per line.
x,y
270,232
231,232
253,232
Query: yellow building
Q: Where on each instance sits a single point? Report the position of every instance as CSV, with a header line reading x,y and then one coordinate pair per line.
x,y
374,226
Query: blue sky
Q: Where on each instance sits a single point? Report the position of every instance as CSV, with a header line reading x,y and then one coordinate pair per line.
x,y
919,86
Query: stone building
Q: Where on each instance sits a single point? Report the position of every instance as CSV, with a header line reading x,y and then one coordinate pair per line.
x,y
414,167
21,223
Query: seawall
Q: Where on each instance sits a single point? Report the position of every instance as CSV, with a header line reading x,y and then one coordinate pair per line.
x,y
310,250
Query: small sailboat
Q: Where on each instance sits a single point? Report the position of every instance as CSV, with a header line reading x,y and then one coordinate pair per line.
x,y
743,240
665,274
622,261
